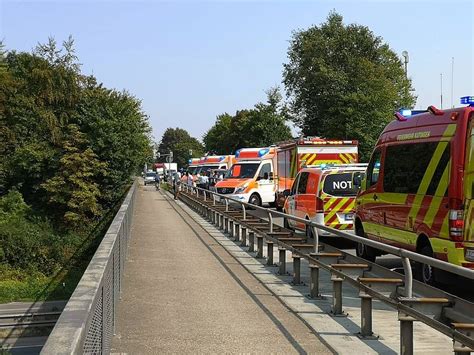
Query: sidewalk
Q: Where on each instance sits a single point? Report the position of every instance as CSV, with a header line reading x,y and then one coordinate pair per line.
x,y
184,293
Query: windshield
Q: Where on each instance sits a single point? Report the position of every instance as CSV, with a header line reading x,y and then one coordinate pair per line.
x,y
242,171
340,184
150,174
205,169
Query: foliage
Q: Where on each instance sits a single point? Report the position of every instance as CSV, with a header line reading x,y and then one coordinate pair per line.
x,y
178,141
260,126
344,82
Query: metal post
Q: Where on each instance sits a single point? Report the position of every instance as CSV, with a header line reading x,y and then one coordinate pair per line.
x,y
226,205
231,228
259,247
408,277
314,285
226,224
221,218
237,232
337,295
270,220
316,239
269,253
251,241
245,211
296,269
213,199
406,334
282,261
366,315
244,237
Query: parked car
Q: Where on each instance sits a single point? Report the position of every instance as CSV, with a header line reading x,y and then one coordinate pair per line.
x,y
324,195
149,178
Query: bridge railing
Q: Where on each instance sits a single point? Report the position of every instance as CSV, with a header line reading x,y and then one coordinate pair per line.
x,y
87,324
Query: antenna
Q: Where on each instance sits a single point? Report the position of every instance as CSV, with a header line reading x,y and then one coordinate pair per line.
x,y
452,82
441,95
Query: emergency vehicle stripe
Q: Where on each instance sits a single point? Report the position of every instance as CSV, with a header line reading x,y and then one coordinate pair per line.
x,y
438,198
469,220
346,205
428,176
331,214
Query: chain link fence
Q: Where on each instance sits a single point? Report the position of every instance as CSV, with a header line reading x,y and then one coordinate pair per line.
x,y
87,324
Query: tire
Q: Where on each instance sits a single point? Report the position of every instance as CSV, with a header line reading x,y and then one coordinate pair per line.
x,y
364,251
423,272
255,200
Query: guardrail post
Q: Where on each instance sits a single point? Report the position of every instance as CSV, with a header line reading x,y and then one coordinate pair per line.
x,y
408,277
270,220
337,295
237,232
296,270
316,239
221,221
226,205
244,237
226,224
406,334
251,241
244,212
231,228
259,247
269,253
314,284
365,315
282,261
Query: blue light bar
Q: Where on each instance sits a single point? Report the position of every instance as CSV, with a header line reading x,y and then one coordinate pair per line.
x,y
237,153
262,152
221,158
467,100
405,112
190,161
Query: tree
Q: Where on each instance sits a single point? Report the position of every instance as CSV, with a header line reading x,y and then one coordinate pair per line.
x,y
260,126
179,141
344,82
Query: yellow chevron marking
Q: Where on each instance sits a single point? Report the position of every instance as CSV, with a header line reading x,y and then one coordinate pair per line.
x,y
438,197
329,203
468,225
335,209
428,176
444,233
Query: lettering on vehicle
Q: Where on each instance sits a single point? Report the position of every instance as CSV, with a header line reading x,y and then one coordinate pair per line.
x,y
413,135
341,185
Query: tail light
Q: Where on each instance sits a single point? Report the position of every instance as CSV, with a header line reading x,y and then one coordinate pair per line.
x,y
319,205
456,225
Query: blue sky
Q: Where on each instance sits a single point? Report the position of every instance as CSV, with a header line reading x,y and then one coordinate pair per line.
x,y
189,61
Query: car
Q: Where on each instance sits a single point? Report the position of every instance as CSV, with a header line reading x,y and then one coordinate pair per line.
x,y
149,178
324,194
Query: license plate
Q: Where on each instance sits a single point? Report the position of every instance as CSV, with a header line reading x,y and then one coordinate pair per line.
x,y
470,254
349,217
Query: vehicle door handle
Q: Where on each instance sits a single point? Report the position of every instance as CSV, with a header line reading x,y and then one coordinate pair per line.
x,y
375,197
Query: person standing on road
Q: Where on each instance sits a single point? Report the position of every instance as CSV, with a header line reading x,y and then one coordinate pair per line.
x,y
176,183
157,182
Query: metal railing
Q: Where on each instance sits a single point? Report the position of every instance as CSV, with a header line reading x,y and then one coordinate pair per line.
x,y
87,324
462,315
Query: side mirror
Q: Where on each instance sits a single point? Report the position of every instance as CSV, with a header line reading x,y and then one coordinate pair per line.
x,y
265,176
271,175
287,192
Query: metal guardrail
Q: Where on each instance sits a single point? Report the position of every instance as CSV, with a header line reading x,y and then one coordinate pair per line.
x,y
87,323
444,312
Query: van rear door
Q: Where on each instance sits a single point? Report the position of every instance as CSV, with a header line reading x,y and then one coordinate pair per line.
x,y
338,194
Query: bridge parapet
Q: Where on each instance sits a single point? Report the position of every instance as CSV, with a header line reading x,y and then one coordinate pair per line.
x,y
87,324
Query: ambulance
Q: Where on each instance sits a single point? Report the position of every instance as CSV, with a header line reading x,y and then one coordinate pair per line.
x,y
293,155
209,163
418,191
192,167
251,178
324,194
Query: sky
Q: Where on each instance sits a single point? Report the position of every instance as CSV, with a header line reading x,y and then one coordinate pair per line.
x,y
189,61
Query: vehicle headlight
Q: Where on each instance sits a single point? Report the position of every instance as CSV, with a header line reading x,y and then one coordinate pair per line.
x,y
241,189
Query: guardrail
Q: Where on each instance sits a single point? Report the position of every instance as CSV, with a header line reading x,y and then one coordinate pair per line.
x,y
446,313
87,323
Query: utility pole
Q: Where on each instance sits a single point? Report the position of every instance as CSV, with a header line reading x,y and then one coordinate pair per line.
x,y
405,61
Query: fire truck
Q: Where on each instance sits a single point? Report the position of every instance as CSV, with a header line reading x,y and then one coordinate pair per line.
x,y
295,154
419,186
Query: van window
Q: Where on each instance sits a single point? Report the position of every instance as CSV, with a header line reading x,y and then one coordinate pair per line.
x,y
406,165
303,182
339,184
266,168
295,184
373,169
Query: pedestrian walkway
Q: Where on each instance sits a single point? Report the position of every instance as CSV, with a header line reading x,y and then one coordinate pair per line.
x,y
184,293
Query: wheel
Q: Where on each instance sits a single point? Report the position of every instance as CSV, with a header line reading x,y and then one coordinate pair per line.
x,y
423,272
255,200
364,251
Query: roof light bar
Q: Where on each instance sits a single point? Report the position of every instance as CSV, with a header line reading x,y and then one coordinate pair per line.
x,y
467,100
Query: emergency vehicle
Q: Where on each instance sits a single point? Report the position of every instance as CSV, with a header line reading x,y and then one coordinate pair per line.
x,y
419,187
251,178
192,167
212,162
324,194
293,155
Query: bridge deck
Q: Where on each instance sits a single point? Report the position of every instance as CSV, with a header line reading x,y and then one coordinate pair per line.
x,y
183,292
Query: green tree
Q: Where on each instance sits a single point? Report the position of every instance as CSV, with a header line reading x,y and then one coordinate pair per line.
x,y
179,141
344,82
260,126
